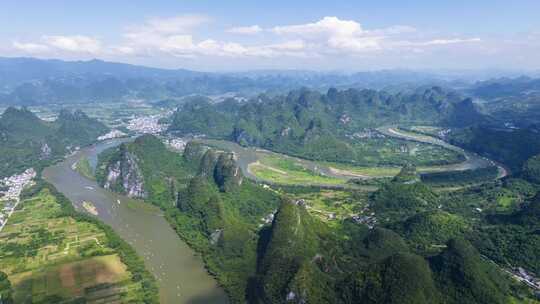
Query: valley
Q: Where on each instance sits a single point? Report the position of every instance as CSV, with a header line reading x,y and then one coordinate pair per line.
x,y
143,228
276,168
167,189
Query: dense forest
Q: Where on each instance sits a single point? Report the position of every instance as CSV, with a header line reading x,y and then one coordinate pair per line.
x,y
419,253
319,126
27,141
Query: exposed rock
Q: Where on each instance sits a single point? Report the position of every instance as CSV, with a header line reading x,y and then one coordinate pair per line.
x,y
227,174
124,175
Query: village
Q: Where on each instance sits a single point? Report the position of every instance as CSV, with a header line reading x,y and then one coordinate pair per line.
x,y
10,191
146,124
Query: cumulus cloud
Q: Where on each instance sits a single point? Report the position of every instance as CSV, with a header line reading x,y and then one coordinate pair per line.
x,y
31,48
327,26
78,43
245,30
180,36
61,44
334,34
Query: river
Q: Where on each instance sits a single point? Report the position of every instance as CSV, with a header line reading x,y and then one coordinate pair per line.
x,y
180,273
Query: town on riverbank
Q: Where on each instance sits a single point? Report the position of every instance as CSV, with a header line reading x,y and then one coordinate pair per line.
x,y
10,191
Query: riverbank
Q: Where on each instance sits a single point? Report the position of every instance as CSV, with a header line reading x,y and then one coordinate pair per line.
x,y
180,273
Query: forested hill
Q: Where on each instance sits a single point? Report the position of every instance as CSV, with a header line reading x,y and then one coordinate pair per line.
x,y
27,141
264,246
305,120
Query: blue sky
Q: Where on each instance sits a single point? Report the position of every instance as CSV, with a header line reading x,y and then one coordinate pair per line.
x,y
246,35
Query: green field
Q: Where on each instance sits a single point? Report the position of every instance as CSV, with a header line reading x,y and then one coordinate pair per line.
x,y
363,172
49,257
283,170
397,152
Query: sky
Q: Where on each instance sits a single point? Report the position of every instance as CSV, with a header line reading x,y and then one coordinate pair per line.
x,y
239,35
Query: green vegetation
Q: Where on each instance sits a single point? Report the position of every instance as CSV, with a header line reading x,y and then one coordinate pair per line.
x,y
465,278
463,177
432,229
513,239
83,167
510,147
317,249
52,253
531,169
6,291
26,141
398,197
322,126
282,170
291,259
400,278
211,206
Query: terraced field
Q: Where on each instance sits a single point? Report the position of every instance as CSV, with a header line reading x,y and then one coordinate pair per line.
x,y
50,257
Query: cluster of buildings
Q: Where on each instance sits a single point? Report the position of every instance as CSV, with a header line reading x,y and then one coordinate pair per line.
x,y
11,188
146,125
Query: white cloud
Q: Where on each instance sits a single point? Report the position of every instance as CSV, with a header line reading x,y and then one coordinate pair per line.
x,y
329,38
434,42
77,43
332,34
172,25
32,48
450,41
327,26
245,30
293,45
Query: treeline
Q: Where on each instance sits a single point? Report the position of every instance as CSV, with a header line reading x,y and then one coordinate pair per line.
x,y
461,177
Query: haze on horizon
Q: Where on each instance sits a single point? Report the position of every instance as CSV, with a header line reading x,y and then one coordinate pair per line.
x,y
307,35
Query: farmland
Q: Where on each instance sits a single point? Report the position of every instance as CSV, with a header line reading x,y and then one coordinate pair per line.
x,y
51,257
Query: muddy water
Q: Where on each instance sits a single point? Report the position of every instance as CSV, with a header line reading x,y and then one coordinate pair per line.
x,y
180,274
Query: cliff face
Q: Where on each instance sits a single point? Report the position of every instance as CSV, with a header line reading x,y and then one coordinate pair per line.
x,y
124,175
227,174
221,168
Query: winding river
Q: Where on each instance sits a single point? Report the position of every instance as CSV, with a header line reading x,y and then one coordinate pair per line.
x,y
249,155
180,273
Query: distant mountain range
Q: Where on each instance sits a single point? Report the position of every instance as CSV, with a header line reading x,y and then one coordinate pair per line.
x,y
30,81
